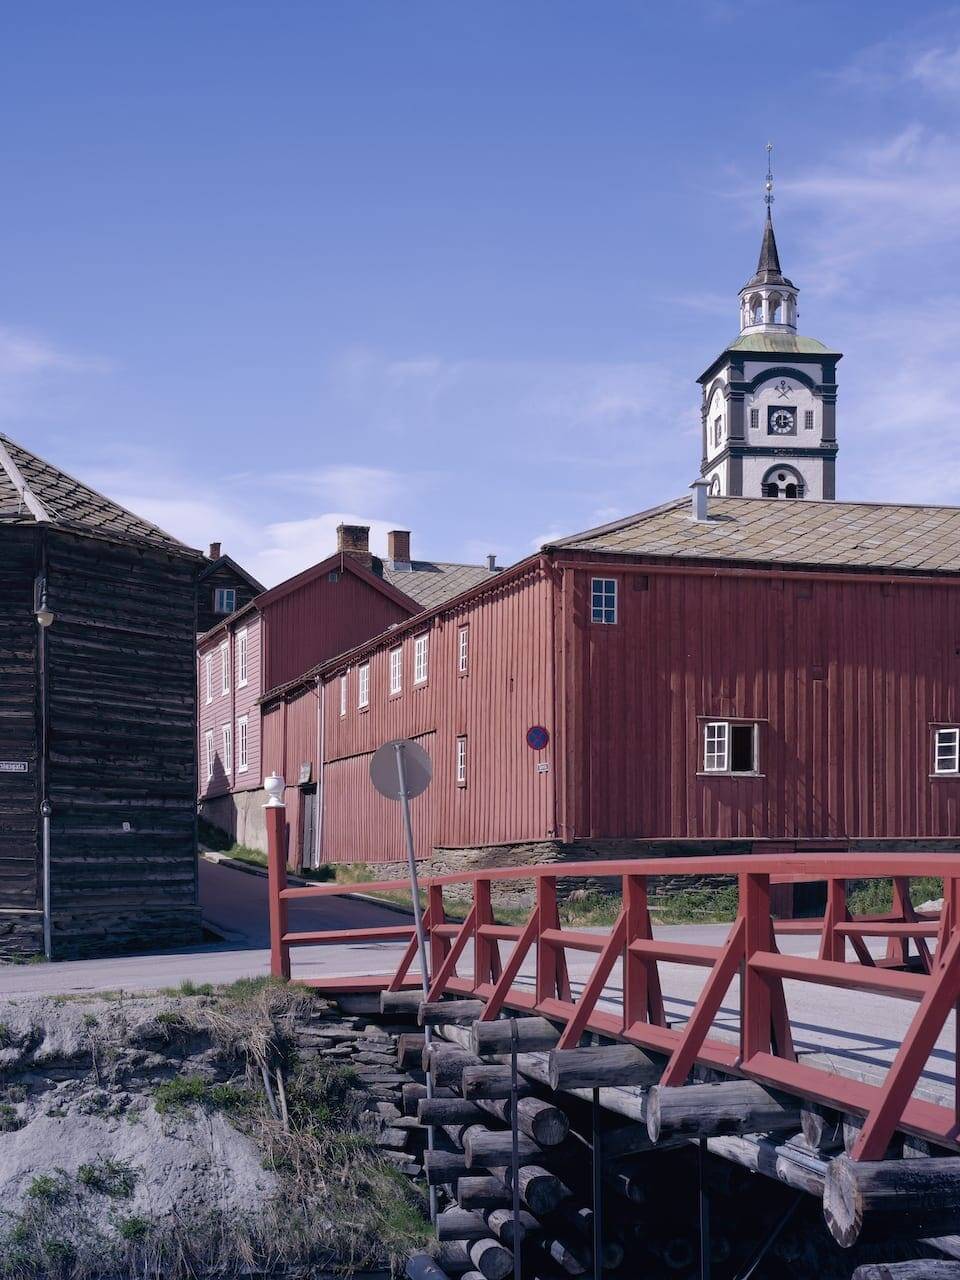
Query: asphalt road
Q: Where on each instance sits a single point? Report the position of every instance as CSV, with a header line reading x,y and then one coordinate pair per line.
x,y
857,1034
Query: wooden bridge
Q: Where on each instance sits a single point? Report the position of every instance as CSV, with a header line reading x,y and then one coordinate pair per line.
x,y
738,992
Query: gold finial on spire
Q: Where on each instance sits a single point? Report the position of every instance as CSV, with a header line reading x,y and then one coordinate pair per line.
x,y
768,182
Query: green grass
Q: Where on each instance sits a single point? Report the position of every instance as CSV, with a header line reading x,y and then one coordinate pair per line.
x,y
195,1091
218,841
114,1178
874,897
132,1228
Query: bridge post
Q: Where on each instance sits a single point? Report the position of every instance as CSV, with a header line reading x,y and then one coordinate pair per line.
x,y
275,815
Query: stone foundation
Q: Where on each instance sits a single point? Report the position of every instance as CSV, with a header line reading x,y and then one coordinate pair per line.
x,y
79,934
239,815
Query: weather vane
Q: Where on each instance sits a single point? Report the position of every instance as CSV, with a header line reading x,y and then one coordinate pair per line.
x,y
768,184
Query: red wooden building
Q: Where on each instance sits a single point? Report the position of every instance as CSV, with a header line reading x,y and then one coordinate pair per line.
x,y
770,671
280,633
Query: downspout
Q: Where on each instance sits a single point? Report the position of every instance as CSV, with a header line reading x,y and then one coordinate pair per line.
x,y
41,611
318,834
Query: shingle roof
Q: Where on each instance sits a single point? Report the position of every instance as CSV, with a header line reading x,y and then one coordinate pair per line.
x,y
40,492
860,535
432,582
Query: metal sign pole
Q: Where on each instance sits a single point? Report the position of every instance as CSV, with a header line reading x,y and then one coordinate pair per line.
x,y
515,1147
421,939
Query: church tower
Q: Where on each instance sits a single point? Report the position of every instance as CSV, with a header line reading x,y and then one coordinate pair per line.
x,y
770,398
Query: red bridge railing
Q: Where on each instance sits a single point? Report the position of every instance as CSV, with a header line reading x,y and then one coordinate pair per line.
x,y
765,1050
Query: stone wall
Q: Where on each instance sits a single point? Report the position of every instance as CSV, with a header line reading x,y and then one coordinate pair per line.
x,y
240,815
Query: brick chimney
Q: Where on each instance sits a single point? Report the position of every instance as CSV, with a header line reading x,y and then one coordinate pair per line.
x,y
398,546
354,540
214,553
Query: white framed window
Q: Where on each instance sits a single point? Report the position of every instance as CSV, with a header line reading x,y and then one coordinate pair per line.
x,y
343,695
243,749
241,658
225,668
208,676
808,419
228,749
208,741
603,600
946,751
755,419
463,649
730,747
462,761
363,685
224,600
396,670
420,656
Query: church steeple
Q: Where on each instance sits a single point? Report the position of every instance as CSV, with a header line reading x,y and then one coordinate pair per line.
x,y
768,301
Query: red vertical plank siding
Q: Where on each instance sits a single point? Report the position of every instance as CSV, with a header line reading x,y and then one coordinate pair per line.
x,y
845,679
227,708
505,691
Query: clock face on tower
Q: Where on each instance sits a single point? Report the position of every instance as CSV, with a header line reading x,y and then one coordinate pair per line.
x,y
781,420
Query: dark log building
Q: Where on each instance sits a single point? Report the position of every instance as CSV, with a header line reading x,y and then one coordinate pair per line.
x,y
98,612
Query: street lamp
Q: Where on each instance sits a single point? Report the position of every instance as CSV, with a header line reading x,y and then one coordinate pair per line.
x,y
42,611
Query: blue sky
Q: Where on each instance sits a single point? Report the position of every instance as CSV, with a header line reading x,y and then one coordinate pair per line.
x,y
456,266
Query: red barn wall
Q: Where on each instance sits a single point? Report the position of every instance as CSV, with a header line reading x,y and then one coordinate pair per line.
x,y
846,679
506,690
320,619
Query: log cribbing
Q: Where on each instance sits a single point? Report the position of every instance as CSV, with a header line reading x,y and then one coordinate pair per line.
x,y
485,1081
491,1258
461,1224
442,1167
405,1002
420,1266
454,1257
568,1259
892,1197
447,1063
786,1162
449,1111
431,1012
595,1065
487,1149
542,1192
822,1128
410,1095
542,1121
487,1192
409,1049
728,1107
491,1038
508,1231
921,1269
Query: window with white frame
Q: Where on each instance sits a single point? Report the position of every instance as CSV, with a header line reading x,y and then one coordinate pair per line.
x,y
754,419
210,755
241,658
224,600
420,653
363,685
946,751
243,750
808,419
228,749
396,670
343,695
463,649
225,667
729,747
462,761
603,600
208,675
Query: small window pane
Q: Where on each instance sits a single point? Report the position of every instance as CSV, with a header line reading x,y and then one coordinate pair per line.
x,y
228,748
225,668
343,695
396,670
947,751
420,659
461,762
603,600
715,736
742,738
462,648
363,685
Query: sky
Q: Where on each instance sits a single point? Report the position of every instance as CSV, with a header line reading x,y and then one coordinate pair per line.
x,y
456,266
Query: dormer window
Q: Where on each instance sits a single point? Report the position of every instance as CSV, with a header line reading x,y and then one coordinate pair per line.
x,y
224,600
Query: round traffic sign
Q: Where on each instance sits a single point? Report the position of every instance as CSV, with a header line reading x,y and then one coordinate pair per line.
x,y
385,769
537,737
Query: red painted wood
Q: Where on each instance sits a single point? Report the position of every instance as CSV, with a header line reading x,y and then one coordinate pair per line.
x,y
276,883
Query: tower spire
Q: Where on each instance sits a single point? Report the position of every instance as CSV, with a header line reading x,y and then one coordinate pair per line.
x,y
768,301
769,262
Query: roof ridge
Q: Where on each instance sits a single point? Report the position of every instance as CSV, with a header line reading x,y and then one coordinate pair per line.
x,y
16,478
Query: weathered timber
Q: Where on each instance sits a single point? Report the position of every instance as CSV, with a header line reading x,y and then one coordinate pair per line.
x,y
490,1038
431,1012
443,1167
420,1266
509,1229
542,1121
446,1063
921,1269
488,1149
449,1111
851,1132
892,1197
568,1259
395,1139
727,1107
482,1193
454,1257
488,1082
409,1049
400,1002
595,1065
461,1224
411,1094
822,1128
542,1192
786,1162
490,1258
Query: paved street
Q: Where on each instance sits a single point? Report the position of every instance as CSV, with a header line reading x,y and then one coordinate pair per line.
x,y
857,1033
